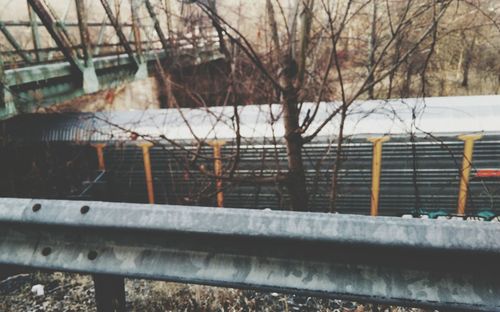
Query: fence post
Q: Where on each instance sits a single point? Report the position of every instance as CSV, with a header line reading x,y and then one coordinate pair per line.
x,y
216,145
100,156
147,170
469,140
376,169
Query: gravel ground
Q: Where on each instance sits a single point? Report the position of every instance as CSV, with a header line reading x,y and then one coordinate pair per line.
x,y
73,292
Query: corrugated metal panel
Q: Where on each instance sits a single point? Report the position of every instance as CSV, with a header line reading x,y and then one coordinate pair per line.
x,y
436,180
434,186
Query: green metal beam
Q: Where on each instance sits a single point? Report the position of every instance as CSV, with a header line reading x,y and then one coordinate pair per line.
x,y
61,23
100,37
12,40
142,69
59,36
157,26
35,34
90,81
136,29
81,11
119,32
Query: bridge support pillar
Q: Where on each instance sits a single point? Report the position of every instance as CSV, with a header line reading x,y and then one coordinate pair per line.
x,y
142,71
90,81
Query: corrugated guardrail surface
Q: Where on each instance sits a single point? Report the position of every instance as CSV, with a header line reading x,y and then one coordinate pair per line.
x,y
430,263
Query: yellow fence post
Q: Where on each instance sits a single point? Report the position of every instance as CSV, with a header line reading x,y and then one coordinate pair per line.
x,y
376,169
147,169
216,145
469,140
100,155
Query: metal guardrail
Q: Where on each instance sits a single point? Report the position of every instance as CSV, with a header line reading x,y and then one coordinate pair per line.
x,y
428,263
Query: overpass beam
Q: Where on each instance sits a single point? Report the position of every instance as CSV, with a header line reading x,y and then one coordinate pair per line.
x,y
90,81
119,33
157,26
62,41
142,70
134,7
12,40
37,45
81,11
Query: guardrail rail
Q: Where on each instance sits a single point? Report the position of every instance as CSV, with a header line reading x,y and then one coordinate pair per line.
x,y
427,263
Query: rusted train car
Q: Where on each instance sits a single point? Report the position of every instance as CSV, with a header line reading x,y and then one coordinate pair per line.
x,y
433,156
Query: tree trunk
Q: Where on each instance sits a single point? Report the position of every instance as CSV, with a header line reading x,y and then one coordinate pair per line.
x,y
273,25
338,161
168,13
292,80
406,87
371,56
469,50
466,68
296,182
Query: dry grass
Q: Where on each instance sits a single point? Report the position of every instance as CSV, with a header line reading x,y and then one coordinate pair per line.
x,y
74,292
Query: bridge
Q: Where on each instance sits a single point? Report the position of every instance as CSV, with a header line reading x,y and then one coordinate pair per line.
x,y
68,58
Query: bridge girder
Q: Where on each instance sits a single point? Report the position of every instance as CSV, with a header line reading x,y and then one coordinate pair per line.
x,y
36,79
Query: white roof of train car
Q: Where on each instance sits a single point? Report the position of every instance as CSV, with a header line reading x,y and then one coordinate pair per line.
x,y
437,115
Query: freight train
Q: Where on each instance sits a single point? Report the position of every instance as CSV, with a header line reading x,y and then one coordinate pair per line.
x,y
432,156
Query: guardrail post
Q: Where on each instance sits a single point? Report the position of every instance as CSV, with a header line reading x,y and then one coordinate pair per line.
x,y
147,170
469,140
109,293
376,169
217,144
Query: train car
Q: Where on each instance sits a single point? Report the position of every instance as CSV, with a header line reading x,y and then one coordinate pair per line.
x,y
432,156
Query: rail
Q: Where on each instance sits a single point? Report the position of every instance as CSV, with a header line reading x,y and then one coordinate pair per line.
x,y
428,263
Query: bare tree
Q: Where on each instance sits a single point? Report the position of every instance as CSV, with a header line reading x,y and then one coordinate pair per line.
x,y
389,46
293,57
